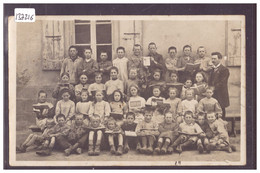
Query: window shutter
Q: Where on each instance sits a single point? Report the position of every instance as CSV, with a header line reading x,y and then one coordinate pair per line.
x,y
53,45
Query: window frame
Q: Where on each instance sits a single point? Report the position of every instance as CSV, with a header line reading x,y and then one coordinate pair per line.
x,y
93,40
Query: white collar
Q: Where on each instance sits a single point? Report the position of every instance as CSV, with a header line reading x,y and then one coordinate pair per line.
x,y
216,66
87,60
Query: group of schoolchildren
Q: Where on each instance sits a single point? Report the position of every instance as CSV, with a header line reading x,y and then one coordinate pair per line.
x,y
133,104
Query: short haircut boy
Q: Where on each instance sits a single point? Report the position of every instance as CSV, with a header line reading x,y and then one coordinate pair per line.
x,y
189,90
152,43
201,47
73,47
130,114
42,91
60,116
120,48
175,89
210,88
98,73
87,48
148,110
65,90
113,68
201,114
172,48
188,113
137,45
187,46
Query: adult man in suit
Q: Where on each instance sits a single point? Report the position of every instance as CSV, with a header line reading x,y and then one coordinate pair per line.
x,y
219,79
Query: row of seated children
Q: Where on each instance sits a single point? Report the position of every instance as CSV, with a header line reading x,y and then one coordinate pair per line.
x,y
207,133
99,107
135,103
116,85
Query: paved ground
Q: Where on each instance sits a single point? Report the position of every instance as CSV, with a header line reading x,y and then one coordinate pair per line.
x,y
132,155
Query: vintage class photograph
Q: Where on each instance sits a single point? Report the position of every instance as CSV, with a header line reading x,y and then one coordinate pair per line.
x,y
133,89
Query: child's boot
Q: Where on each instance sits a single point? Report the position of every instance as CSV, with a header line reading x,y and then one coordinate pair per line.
x,y
176,143
144,145
158,148
97,150
150,147
91,150
200,148
233,148
75,146
126,148
21,149
170,150
79,150
68,151
226,148
164,148
112,149
179,149
138,147
186,144
207,148
48,152
119,150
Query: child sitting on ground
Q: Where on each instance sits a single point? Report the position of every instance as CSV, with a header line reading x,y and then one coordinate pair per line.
x,y
65,106
129,126
64,83
203,141
147,130
175,105
100,107
83,78
83,106
187,85
43,114
220,141
114,132
168,134
78,134
156,101
114,83
95,132
60,132
136,103
118,106
34,140
189,132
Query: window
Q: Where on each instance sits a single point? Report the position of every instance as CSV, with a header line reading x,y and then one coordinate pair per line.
x,y
94,34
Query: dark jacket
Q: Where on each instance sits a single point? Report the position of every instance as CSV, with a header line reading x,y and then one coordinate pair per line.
x,y
219,79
